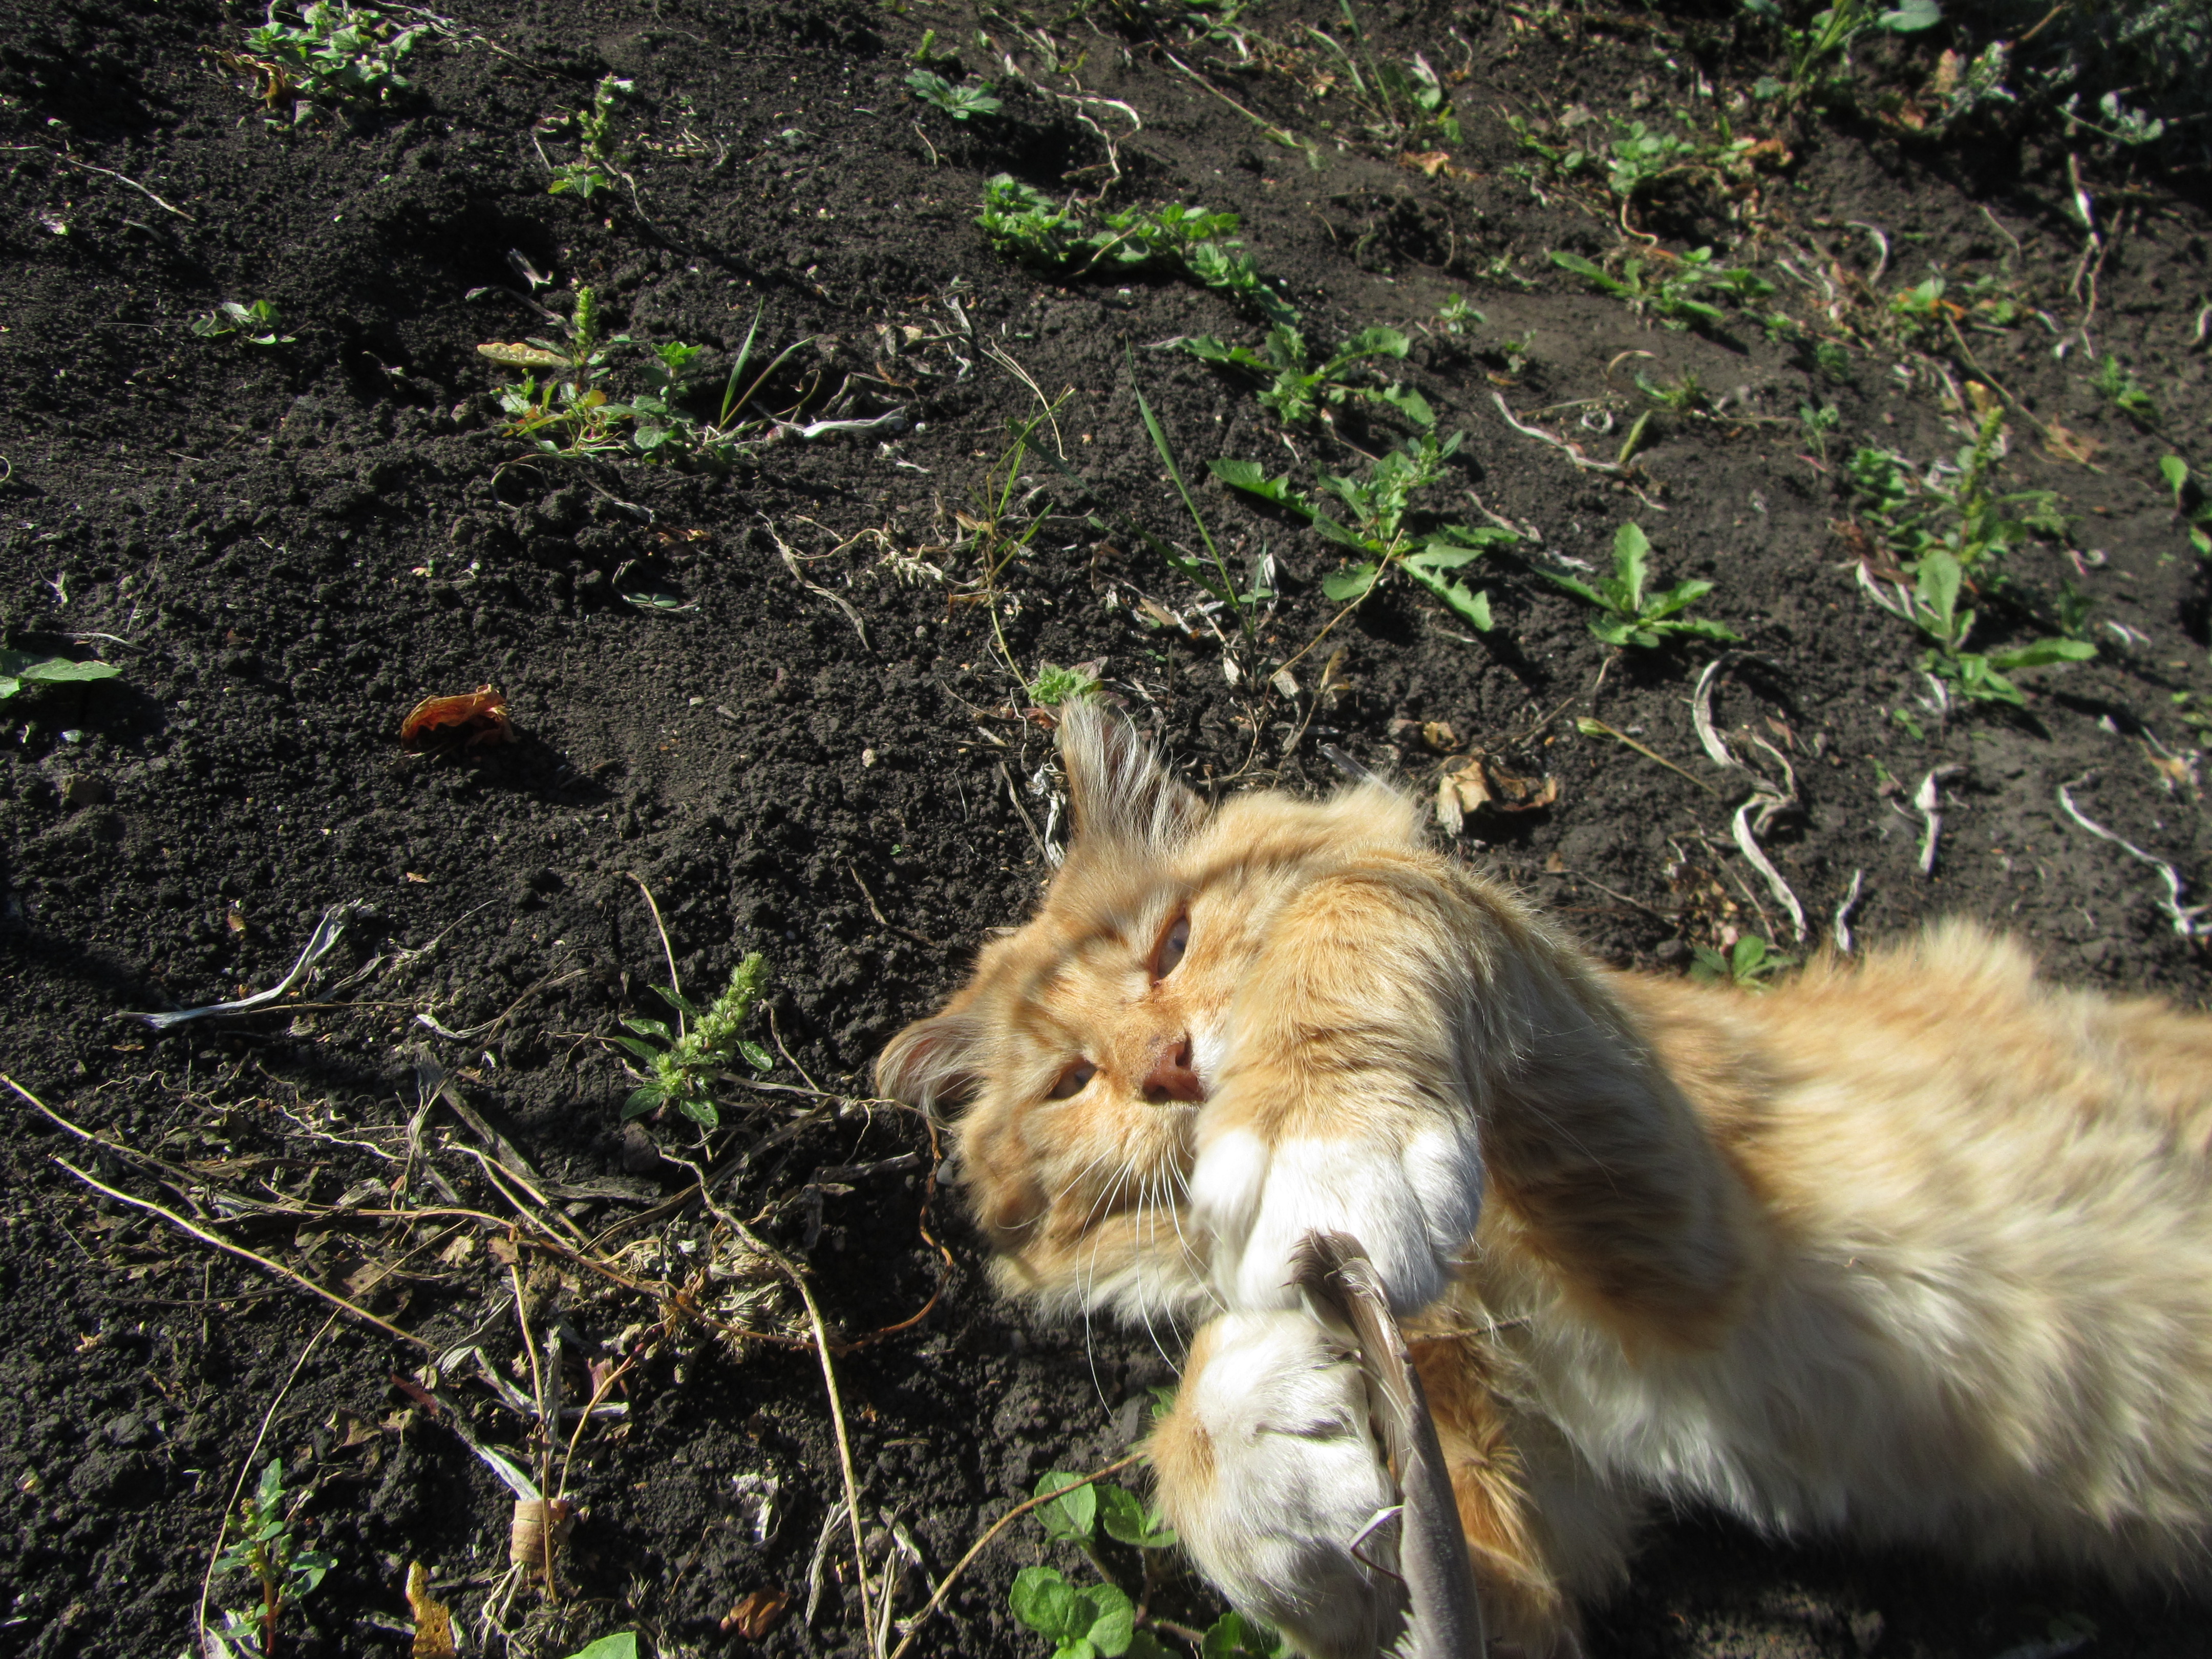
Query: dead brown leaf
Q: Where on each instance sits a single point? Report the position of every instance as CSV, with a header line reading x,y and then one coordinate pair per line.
x,y
757,1614
2064,444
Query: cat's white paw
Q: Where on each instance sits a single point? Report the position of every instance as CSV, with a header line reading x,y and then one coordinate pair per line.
x,y
1269,1472
1411,1204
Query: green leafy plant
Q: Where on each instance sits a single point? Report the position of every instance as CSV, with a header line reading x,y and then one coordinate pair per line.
x,y
1055,685
1083,1621
1669,290
1024,224
1456,316
959,101
1950,533
267,1551
2188,501
1748,965
1818,50
255,324
2119,387
1211,575
1382,530
1301,391
330,52
1816,422
20,671
1680,396
1628,617
1405,105
1632,159
597,164
622,1646
701,1046
570,412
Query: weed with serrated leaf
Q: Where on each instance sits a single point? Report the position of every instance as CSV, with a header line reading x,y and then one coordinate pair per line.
x,y
1627,616
1380,529
265,1549
690,1059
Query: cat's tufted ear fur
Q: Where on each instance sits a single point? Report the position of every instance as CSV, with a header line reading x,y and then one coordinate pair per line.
x,y
1117,788
934,1063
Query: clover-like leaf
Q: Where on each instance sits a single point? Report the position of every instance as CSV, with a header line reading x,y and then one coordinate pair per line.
x,y
1073,1515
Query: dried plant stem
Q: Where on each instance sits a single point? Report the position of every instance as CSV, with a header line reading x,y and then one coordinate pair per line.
x,y
675,984
945,1588
262,1261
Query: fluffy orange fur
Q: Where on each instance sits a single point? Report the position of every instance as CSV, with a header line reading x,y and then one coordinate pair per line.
x,y
1913,1248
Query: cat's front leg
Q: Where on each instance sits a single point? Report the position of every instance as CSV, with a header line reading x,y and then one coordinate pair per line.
x,y
1344,1099
1268,1472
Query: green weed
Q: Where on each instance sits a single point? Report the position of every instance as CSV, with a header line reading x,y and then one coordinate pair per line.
x,y
1381,532
331,53
1054,686
2118,387
267,1551
958,101
1681,396
1024,223
1748,965
1299,392
2189,502
570,413
1949,533
1669,291
598,164
20,670
1632,159
1818,50
1083,1622
1404,105
255,324
1456,316
680,1072
1213,577
1627,618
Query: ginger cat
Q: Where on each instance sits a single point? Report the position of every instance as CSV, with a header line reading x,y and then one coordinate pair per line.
x,y
1917,1247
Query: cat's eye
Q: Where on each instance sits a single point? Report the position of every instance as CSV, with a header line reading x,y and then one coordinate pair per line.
x,y
1169,951
1073,1079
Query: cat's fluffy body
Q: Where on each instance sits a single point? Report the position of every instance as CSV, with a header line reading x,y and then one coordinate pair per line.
x,y
1913,1248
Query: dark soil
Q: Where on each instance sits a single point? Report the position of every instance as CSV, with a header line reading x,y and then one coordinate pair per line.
x,y
819,757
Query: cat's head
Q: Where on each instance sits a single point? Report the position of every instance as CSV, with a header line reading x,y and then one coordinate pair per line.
x,y
1086,1041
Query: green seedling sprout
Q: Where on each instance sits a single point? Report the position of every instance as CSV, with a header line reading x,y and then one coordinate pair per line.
x,y
267,1551
255,324
622,1646
1627,616
960,101
1821,48
1456,316
1749,965
680,1071
1381,533
20,671
1213,578
2119,387
2188,503
1022,222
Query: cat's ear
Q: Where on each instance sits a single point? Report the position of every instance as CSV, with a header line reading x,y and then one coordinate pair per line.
x,y
934,1063
1116,786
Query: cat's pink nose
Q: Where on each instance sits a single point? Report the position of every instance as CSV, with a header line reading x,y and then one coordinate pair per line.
x,y
1171,1077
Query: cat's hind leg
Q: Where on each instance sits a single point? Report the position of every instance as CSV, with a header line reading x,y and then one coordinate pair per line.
x,y
1268,1471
